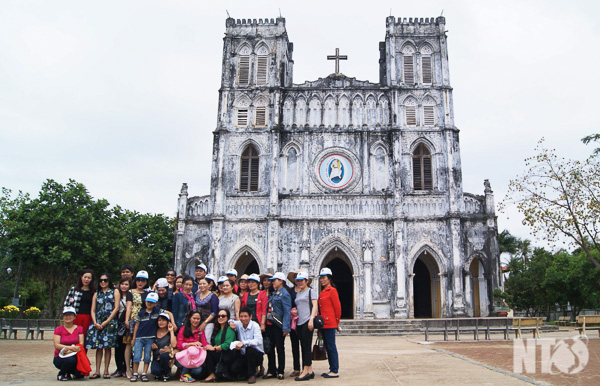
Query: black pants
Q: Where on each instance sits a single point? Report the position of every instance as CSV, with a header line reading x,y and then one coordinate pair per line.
x,y
295,348
120,355
161,366
66,365
245,365
276,336
305,338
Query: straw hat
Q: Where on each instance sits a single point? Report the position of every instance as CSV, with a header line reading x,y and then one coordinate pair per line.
x,y
292,276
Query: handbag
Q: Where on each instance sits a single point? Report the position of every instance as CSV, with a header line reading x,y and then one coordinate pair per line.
x,y
274,317
319,353
318,321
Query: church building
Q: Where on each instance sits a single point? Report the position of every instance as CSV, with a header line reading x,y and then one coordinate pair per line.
x,y
361,177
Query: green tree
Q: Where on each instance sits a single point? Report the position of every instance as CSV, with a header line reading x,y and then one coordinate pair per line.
x,y
592,138
508,243
559,199
60,232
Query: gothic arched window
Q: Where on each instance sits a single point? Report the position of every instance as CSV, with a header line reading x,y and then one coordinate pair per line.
x,y
422,174
426,65
243,63
262,66
260,112
249,169
428,112
410,112
408,65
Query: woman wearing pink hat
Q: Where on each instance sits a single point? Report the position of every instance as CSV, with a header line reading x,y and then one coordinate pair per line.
x,y
190,337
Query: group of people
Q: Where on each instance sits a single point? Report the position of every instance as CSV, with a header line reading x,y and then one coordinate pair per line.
x,y
209,328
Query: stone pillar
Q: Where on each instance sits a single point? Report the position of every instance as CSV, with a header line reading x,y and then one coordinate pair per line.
x,y
274,253
458,306
368,264
181,215
401,311
305,249
411,296
217,263
468,294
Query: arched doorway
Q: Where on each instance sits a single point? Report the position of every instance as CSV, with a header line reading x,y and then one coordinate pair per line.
x,y
426,288
343,278
246,264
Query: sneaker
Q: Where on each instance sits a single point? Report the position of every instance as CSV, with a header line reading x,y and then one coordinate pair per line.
x,y
165,378
184,378
189,379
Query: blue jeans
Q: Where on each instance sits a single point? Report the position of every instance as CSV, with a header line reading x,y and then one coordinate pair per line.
x,y
144,344
332,354
161,366
195,373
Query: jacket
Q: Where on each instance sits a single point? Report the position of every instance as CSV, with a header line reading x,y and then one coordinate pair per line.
x,y
329,307
180,308
281,302
261,304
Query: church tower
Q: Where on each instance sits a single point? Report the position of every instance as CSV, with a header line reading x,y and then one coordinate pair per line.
x,y
361,177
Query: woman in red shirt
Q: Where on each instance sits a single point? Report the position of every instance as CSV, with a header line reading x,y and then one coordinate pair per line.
x,y
331,310
66,338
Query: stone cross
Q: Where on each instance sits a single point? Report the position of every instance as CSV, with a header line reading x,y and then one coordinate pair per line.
x,y
337,57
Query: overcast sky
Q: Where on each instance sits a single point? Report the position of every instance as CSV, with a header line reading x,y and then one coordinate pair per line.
x,y
122,95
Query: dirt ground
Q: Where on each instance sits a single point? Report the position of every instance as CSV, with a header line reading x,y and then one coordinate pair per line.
x,y
363,360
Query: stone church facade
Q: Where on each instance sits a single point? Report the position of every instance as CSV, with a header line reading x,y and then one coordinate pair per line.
x,y
362,177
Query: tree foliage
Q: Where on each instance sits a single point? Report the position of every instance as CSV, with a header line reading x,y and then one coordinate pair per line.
x,y
592,138
559,199
65,230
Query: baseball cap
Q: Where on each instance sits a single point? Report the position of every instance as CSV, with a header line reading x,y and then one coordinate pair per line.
x,y
152,297
325,271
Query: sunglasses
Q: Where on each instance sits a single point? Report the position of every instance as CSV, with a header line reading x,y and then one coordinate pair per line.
x,y
103,280
222,316
170,274
141,279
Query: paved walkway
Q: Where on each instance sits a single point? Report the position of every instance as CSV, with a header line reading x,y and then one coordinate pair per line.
x,y
364,360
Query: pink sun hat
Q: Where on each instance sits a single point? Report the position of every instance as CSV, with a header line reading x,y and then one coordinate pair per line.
x,y
192,357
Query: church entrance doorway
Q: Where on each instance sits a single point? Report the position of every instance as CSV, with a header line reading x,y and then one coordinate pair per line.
x,y
343,279
246,264
426,288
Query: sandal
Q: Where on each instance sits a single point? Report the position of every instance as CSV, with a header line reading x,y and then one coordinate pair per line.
x,y
145,378
95,376
268,376
106,376
280,376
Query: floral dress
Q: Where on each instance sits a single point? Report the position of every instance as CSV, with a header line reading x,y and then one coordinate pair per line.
x,y
107,337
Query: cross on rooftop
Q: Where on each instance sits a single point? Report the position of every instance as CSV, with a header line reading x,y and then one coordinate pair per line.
x,y
337,57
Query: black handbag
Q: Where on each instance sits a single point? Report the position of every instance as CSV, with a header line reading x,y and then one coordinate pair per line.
x,y
318,321
274,317
319,353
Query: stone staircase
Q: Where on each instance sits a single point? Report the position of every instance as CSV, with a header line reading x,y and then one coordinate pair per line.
x,y
381,326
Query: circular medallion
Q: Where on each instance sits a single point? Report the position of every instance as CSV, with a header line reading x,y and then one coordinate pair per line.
x,y
336,171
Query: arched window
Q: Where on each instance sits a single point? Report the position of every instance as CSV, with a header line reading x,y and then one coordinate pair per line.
x,y
357,112
249,170
408,65
384,112
242,107
260,112
422,176
300,112
243,64
426,65
371,110
329,113
288,113
344,112
314,118
410,112
292,169
262,66
428,112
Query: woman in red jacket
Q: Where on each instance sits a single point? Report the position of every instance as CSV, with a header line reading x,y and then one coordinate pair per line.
x,y
331,310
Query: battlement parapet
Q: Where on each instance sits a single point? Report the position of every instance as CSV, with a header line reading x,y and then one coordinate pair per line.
x,y
255,27
403,25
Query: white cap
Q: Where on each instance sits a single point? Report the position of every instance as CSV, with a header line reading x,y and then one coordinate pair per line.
x,y
210,276
202,266
66,310
152,297
142,275
222,279
165,315
162,282
278,275
301,276
254,277
231,272
325,271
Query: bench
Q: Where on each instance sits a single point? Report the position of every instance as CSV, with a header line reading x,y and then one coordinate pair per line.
x,y
44,325
563,320
593,319
4,327
454,327
527,324
16,325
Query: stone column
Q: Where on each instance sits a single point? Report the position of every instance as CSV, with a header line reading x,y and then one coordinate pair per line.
x,y
402,309
305,249
411,296
368,264
468,294
458,306
181,215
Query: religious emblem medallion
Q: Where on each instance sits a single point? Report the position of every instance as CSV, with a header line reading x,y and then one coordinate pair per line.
x,y
336,171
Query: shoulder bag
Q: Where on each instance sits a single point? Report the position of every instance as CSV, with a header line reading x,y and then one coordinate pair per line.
x,y
318,321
